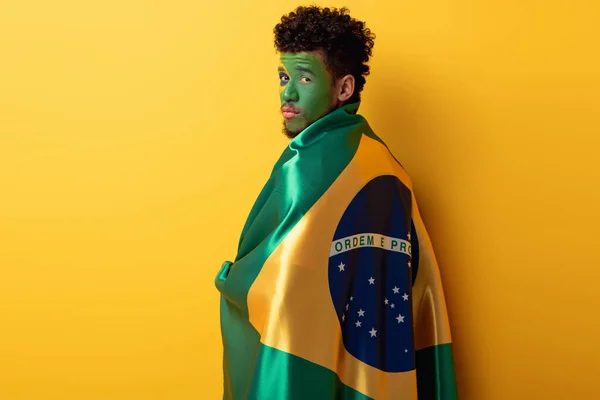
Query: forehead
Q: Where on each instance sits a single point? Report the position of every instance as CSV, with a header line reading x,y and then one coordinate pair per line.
x,y
313,59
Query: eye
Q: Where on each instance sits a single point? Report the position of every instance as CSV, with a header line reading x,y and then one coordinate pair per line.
x,y
305,80
283,78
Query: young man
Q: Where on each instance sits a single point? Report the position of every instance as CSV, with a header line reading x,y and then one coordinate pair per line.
x,y
335,291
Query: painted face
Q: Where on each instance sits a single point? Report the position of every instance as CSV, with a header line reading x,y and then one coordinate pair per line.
x,y
306,91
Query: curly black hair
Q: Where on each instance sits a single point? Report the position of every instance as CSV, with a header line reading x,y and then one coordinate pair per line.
x,y
345,42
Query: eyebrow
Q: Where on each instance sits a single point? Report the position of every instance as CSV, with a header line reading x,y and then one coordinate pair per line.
x,y
302,69
298,68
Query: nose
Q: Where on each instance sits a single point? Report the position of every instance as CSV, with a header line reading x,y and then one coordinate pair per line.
x,y
290,94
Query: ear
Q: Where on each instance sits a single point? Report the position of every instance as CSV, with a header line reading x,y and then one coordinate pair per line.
x,y
345,88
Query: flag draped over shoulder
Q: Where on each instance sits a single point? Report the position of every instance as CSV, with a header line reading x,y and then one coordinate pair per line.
x,y
335,291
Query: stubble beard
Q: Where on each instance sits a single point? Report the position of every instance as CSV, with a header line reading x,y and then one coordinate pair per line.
x,y
290,134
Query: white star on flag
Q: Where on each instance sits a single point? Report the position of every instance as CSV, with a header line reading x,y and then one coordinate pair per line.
x,y
400,318
396,290
371,281
361,313
406,350
405,297
409,264
351,298
347,305
408,235
358,324
373,332
343,317
341,267
393,305
386,301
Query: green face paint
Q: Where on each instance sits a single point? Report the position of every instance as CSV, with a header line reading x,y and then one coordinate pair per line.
x,y
306,91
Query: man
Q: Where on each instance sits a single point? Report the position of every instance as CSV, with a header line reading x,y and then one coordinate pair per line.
x,y
335,290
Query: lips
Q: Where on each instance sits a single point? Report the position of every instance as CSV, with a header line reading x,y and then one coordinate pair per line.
x,y
289,112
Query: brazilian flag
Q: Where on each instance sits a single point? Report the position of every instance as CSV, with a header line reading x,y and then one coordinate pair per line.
x,y
335,292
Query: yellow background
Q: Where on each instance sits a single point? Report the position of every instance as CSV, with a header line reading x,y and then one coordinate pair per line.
x,y
135,135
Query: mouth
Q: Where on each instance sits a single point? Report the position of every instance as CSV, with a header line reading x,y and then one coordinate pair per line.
x,y
289,112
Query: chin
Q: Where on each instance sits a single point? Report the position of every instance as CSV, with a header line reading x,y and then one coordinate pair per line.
x,y
291,133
